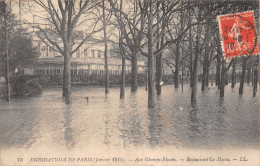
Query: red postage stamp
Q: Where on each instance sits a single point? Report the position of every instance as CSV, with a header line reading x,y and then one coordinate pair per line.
x,y
239,34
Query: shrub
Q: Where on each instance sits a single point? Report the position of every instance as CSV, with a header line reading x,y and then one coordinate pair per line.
x,y
25,86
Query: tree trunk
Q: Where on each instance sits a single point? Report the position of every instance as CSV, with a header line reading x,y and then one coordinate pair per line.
x,y
205,63
182,79
195,80
146,78
134,72
105,53
122,87
233,77
191,74
207,74
6,53
151,100
158,73
207,49
226,78
203,75
218,71
191,78
196,62
67,75
252,77
223,78
176,73
190,47
249,75
255,82
241,87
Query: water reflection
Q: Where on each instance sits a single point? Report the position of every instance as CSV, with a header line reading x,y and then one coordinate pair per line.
x,y
68,134
133,122
194,126
154,127
122,129
105,120
107,135
156,116
18,127
221,124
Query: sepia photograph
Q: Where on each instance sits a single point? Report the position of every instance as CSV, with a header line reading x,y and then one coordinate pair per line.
x,y
129,83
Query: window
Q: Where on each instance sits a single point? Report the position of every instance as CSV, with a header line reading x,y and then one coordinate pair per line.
x,y
85,52
93,53
99,54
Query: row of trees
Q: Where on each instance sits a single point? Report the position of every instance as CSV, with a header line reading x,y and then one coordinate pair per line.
x,y
187,32
179,33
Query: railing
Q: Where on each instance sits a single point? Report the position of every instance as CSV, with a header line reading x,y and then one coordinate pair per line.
x,y
112,61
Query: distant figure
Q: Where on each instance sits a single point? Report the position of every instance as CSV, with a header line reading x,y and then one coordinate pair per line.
x,y
86,98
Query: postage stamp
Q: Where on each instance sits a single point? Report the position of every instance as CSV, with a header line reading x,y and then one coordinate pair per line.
x,y
239,34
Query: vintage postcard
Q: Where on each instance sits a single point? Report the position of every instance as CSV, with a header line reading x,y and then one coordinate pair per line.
x,y
129,82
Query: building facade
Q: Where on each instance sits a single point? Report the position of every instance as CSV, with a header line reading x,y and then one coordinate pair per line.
x,y
87,60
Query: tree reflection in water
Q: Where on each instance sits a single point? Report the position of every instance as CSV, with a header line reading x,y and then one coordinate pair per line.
x,y
107,121
68,134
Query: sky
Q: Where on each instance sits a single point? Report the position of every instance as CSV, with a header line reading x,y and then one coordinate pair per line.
x,y
33,13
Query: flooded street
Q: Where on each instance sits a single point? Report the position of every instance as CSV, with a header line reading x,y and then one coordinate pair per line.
x,y
107,121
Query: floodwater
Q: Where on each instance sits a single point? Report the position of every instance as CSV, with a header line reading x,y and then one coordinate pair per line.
x,y
105,120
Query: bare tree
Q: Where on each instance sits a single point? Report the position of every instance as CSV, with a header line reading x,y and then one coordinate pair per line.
x,y
233,76
176,55
64,18
132,25
206,53
151,100
158,59
196,59
242,80
105,43
122,53
168,32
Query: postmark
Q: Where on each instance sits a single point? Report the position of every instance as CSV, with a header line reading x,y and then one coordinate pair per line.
x,y
239,34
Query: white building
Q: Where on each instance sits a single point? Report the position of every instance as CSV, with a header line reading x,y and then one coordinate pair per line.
x,y
87,60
